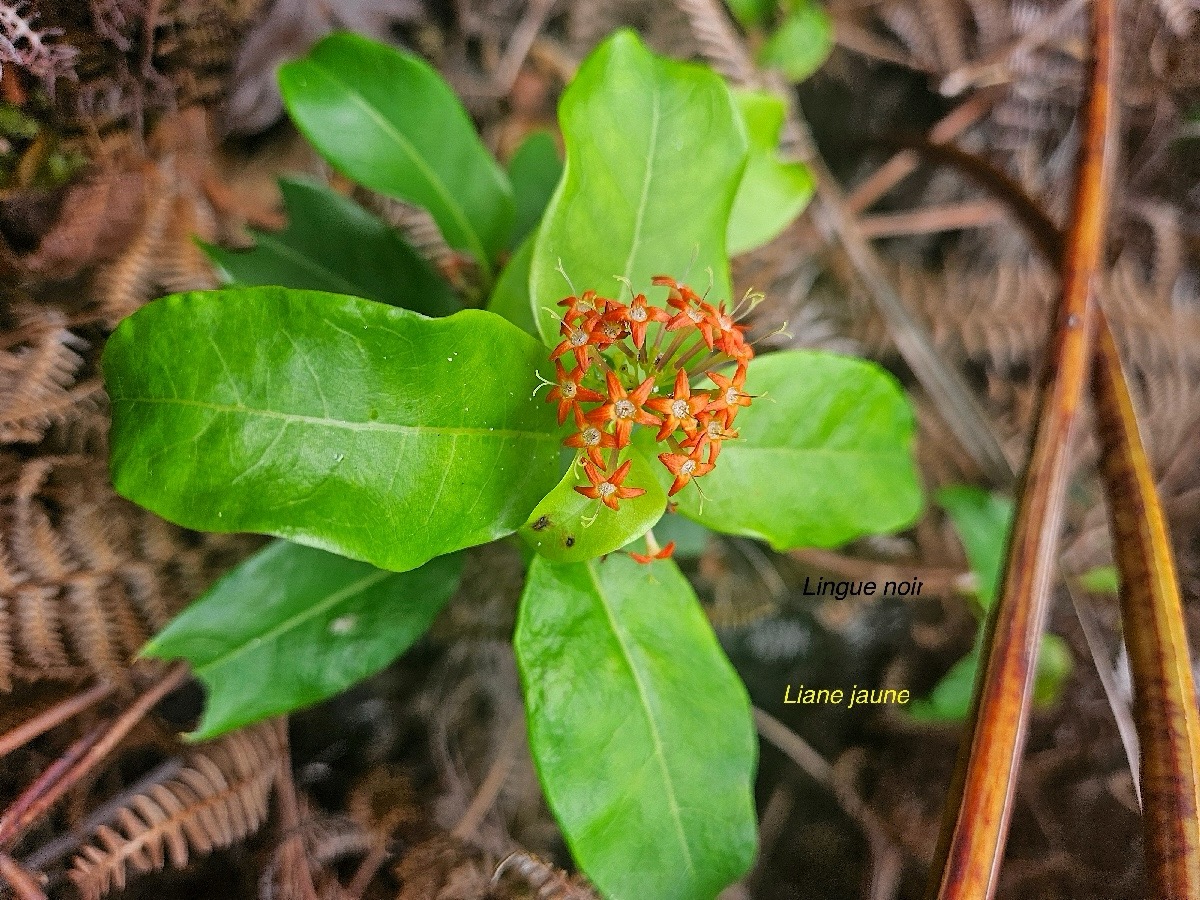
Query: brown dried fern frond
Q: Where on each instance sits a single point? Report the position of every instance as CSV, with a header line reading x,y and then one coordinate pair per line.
x,y
998,319
549,881
85,577
220,797
39,361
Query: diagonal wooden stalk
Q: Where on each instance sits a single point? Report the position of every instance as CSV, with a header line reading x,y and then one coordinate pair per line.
x,y
1167,720
1165,711
979,805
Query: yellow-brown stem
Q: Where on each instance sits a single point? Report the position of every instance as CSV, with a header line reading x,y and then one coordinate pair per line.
x,y
979,805
1165,711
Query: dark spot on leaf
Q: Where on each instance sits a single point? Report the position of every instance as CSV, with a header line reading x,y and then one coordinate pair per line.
x,y
541,524
570,541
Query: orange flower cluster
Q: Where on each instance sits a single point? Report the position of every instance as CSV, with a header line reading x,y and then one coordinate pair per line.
x,y
617,374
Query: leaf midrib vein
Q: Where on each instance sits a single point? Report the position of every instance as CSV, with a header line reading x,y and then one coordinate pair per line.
x,y
659,752
430,175
291,622
386,427
644,200
303,261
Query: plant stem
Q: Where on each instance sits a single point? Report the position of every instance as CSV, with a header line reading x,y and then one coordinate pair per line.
x,y
52,717
979,804
1168,722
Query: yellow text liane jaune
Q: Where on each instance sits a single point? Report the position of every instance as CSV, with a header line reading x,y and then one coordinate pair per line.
x,y
853,697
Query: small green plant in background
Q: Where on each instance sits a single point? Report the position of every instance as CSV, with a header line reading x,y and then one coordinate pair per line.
x,y
983,521
333,397
793,36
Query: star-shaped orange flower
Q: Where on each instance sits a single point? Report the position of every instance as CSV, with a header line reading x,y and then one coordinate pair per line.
x,y
607,488
679,410
730,398
591,440
684,468
568,391
623,409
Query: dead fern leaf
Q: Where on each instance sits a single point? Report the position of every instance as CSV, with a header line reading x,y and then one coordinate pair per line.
x,y
36,375
85,577
220,797
549,881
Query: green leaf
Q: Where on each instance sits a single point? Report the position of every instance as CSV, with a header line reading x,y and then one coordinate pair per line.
x,y
950,700
16,123
389,121
568,527
640,728
1054,665
294,625
510,297
534,171
339,423
333,244
802,42
982,521
1100,580
655,150
690,538
772,193
752,13
824,455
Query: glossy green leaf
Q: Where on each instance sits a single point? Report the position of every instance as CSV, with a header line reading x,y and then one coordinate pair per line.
x,y
294,625
802,42
389,121
982,521
534,170
335,422
568,527
510,297
752,13
333,244
772,193
640,728
655,150
824,455
950,700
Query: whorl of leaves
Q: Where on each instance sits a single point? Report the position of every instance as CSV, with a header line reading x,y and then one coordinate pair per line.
x,y
219,797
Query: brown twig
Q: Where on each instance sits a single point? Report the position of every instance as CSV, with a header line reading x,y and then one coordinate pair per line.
x,y
293,858
979,804
1025,209
25,884
52,717
81,758
520,43
885,852
493,782
904,163
932,219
